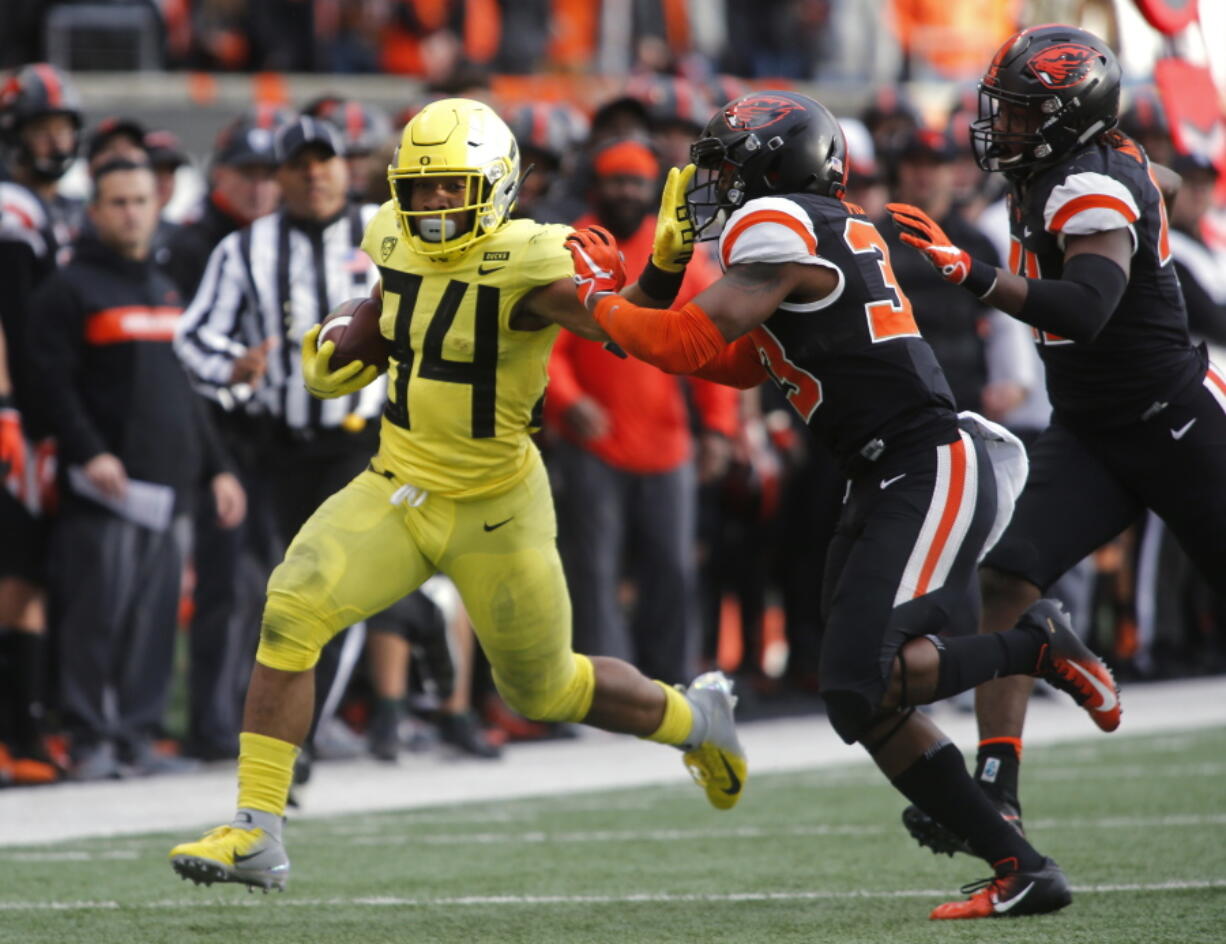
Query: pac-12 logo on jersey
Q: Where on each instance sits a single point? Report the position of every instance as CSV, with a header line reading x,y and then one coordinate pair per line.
x,y
1063,66
759,111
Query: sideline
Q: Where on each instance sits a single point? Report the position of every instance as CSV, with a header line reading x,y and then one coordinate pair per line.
x,y
596,761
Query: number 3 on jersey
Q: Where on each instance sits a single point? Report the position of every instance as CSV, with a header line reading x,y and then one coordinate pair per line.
x,y
801,388
888,318
481,373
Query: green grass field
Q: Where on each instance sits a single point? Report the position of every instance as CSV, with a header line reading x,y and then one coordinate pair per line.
x,y
1139,824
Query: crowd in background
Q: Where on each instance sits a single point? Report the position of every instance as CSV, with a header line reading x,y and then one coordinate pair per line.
x,y
692,518
797,39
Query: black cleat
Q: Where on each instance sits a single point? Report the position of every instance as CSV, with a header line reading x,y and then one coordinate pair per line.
x,y
462,730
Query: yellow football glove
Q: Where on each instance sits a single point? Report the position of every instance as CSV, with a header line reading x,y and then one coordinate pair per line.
x,y
674,240
322,381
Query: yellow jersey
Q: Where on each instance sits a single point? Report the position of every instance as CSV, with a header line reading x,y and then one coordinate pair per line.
x,y
464,387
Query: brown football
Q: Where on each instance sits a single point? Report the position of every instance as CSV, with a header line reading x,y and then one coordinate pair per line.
x,y
353,326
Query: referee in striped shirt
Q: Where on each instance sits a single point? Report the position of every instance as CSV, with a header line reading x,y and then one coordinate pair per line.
x,y
268,284
264,287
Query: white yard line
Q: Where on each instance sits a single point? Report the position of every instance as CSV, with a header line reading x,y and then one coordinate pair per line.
x,y
596,761
650,898
393,837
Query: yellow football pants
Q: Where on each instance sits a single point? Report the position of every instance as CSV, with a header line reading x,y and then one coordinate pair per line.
x,y
359,553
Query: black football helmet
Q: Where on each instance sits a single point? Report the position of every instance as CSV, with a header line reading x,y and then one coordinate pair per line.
x,y
35,91
764,144
1064,83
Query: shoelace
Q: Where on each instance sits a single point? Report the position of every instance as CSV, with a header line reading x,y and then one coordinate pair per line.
x,y
980,885
1068,680
1071,683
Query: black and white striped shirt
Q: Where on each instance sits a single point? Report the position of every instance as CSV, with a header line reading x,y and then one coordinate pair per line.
x,y
278,278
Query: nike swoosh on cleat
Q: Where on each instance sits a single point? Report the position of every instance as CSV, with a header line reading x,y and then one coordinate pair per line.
x,y
1105,693
1000,907
735,786
243,858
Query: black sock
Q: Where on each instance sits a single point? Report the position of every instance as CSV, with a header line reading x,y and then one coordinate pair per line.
x,y
387,710
8,676
27,687
940,786
967,661
996,769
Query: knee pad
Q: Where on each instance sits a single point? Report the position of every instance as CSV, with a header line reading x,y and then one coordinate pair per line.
x,y
849,713
896,718
291,638
571,702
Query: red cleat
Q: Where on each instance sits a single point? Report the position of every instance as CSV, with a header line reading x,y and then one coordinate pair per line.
x,y
1067,663
1011,893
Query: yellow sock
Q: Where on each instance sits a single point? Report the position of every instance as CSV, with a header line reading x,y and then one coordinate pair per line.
x,y
678,718
265,770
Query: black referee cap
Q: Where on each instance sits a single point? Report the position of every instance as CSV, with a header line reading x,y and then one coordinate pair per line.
x,y
306,131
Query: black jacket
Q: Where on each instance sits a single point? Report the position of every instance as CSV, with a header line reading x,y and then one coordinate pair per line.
x,y
189,247
105,374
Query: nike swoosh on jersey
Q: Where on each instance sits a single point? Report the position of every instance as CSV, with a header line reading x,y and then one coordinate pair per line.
x,y
735,786
495,527
1178,434
1000,907
1108,696
482,270
886,483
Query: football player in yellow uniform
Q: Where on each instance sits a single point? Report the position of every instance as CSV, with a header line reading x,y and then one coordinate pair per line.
x,y
472,302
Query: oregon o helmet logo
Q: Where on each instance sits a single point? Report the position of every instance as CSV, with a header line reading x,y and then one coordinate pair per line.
x,y
1063,66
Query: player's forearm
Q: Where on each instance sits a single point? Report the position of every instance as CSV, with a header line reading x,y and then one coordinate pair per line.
x,y
737,365
1076,307
676,341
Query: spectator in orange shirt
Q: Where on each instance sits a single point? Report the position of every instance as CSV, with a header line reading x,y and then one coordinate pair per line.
x,y
627,462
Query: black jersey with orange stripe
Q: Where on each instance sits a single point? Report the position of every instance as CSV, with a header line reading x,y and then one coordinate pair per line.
x,y
853,364
1144,354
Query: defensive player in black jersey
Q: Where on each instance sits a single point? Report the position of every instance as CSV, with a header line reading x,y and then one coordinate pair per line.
x,y
1139,414
40,130
809,300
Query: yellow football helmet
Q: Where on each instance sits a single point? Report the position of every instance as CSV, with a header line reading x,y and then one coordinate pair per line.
x,y
455,137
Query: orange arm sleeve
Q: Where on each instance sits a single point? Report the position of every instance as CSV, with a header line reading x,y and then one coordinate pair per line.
x,y
678,342
737,365
717,406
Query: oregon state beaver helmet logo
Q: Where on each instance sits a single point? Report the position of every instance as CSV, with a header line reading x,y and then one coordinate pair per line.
x,y
1064,65
759,111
